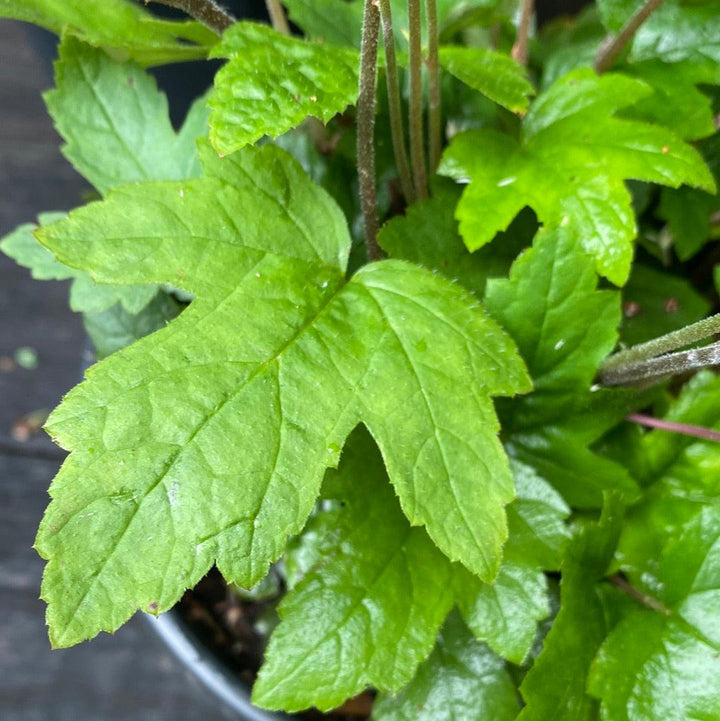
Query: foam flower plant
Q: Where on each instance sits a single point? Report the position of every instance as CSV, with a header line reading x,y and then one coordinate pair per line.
x,y
363,320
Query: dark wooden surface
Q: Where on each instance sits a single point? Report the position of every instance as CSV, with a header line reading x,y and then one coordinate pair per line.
x,y
129,676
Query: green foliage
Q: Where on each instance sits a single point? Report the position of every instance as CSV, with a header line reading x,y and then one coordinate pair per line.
x,y
121,26
271,83
574,148
413,443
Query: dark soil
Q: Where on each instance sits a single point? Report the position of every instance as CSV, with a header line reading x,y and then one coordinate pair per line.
x,y
226,624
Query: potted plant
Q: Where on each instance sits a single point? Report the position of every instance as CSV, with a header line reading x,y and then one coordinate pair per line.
x,y
413,329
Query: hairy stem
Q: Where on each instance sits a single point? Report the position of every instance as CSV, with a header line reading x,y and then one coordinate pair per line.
x,y
277,16
613,45
619,581
434,100
395,104
208,12
685,429
664,344
366,125
415,122
519,50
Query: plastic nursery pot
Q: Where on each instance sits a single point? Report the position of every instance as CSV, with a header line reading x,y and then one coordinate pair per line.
x,y
215,675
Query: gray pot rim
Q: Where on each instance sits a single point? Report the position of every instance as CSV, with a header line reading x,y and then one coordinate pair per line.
x,y
215,675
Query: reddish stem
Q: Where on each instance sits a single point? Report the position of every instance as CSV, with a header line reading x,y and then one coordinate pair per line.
x,y
685,429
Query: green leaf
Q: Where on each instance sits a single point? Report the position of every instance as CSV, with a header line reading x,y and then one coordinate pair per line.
x,y
115,121
276,352
462,679
554,688
85,295
115,328
657,303
123,27
330,21
688,212
272,82
504,614
656,665
368,614
563,325
536,519
579,154
495,75
427,234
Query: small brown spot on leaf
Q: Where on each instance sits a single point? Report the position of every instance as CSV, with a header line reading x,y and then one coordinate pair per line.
x,y
671,305
631,308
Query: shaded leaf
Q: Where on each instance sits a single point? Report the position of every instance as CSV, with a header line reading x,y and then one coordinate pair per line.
x,y
272,82
462,679
368,614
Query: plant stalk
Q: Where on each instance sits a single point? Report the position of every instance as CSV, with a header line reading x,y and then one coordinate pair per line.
x,y
415,121
614,45
435,98
208,12
366,125
394,104
617,362
519,50
277,16
685,429
619,581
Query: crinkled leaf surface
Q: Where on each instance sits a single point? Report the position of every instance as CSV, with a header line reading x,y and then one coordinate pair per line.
x,y
555,685
125,27
85,295
369,613
495,75
171,435
115,121
462,679
272,82
570,166
505,614
666,665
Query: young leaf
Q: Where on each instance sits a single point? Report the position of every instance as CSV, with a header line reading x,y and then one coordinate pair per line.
x,y
555,685
277,351
375,604
495,75
272,82
125,27
649,652
85,295
573,148
115,121
462,679
504,614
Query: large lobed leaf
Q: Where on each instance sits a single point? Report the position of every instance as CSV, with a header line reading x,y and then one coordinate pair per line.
x,y
124,27
171,436
272,82
575,150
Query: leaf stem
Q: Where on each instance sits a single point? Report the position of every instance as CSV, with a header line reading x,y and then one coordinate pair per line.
x,y
277,16
619,581
394,103
519,50
612,46
435,97
616,364
415,121
366,125
686,429
208,12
